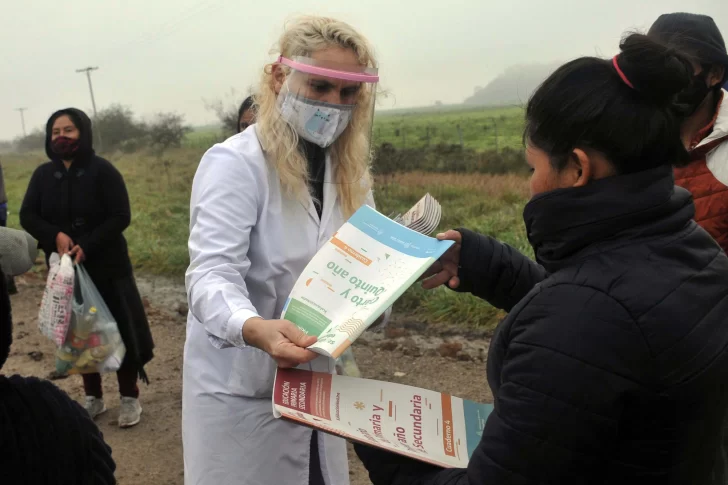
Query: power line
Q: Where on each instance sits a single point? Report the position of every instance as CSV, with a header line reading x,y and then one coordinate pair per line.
x,y
166,29
22,119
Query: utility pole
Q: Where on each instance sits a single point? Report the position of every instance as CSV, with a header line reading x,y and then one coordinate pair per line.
x,y
22,119
495,126
88,70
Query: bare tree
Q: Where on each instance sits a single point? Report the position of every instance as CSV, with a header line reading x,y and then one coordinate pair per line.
x,y
226,109
167,130
119,126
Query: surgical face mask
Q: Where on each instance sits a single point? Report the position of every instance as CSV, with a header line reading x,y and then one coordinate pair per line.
x,y
315,121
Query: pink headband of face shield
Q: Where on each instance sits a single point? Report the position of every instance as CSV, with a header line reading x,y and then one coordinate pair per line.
x,y
361,77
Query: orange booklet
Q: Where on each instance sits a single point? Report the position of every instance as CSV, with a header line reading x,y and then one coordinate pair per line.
x,y
426,425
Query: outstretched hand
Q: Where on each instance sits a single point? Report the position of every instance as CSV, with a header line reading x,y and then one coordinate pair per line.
x,y
445,269
280,339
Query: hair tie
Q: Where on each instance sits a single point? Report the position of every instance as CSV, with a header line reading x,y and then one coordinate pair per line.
x,y
619,71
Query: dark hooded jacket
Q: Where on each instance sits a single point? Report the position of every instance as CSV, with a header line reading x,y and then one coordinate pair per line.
x,y
89,203
45,436
611,367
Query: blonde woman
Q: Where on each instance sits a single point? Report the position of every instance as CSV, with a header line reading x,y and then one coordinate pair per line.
x,y
263,202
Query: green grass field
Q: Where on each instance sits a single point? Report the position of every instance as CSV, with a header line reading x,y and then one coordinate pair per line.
x,y
481,128
202,138
159,189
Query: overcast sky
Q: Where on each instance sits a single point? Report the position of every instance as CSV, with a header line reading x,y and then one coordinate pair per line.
x,y
169,55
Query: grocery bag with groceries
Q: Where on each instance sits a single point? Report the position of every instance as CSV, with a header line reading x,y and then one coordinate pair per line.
x,y
93,342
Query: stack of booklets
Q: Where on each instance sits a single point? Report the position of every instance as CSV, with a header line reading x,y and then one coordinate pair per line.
x,y
359,273
424,217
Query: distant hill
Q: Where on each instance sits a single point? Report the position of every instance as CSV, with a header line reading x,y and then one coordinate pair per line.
x,y
514,86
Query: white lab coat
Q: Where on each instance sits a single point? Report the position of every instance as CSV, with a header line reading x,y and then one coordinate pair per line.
x,y
249,242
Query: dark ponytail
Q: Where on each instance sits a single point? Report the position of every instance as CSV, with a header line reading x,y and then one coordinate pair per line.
x,y
659,73
626,108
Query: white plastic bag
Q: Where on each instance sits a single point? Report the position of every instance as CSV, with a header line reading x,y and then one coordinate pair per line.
x,y
93,343
54,316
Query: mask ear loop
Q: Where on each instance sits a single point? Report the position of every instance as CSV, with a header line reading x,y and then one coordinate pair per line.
x,y
282,98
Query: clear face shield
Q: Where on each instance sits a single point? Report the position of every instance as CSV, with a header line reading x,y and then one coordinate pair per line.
x,y
329,104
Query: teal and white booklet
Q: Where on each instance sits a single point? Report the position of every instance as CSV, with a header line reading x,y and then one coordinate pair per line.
x,y
361,271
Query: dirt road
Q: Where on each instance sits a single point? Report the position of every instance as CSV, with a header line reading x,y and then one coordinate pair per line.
x,y
151,453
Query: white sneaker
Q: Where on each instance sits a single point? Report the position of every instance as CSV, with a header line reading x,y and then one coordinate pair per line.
x,y
94,406
130,413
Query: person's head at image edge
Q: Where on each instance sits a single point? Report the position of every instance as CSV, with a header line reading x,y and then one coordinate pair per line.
x,y
288,98
69,136
704,129
697,37
246,114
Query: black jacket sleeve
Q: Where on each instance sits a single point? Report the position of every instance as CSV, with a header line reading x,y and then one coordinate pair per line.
x,y
564,378
115,201
30,216
496,272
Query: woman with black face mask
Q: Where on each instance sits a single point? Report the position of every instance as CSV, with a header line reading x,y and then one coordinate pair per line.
x,y
705,128
77,204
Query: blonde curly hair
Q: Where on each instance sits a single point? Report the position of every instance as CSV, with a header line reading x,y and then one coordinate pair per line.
x,y
351,152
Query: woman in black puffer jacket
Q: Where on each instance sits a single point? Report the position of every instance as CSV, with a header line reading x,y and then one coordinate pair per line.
x,y
611,367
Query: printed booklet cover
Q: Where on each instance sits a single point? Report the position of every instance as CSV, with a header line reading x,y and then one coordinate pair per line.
x,y
356,276
426,425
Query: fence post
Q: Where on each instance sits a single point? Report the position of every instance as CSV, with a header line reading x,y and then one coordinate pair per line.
x,y
495,126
